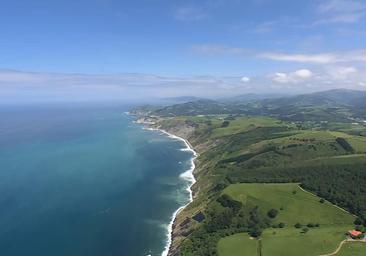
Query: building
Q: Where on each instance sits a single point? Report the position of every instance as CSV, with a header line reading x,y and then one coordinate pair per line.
x,y
354,234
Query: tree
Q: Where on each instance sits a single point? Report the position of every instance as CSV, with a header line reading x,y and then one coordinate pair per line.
x,y
272,213
281,225
255,232
310,225
322,201
225,124
227,201
358,221
305,230
298,225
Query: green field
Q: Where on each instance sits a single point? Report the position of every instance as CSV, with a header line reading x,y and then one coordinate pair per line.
x,y
292,241
353,249
294,206
238,245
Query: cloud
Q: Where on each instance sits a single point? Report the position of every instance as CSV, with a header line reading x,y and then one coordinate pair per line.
x,y
190,14
245,79
341,73
216,49
16,86
341,11
311,58
315,58
293,77
321,58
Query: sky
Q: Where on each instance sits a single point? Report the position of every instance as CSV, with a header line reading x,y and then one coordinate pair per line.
x,y
54,50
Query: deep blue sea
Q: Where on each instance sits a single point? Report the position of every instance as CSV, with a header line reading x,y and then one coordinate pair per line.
x,y
84,180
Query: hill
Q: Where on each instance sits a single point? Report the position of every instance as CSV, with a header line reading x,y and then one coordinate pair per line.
x,y
322,225
329,106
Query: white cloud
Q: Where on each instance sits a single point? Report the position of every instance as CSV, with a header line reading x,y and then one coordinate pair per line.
x,y
245,79
303,73
311,58
341,11
190,14
215,49
320,58
342,6
293,77
57,86
339,73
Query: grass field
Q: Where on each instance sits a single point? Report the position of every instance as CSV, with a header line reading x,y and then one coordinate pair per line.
x,y
353,249
243,124
294,206
291,241
238,245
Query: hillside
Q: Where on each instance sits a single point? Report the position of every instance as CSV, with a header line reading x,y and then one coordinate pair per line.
x,y
326,159
331,106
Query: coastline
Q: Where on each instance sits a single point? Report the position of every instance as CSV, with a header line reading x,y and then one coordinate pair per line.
x,y
187,175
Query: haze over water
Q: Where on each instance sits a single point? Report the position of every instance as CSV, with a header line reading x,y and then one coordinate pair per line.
x,y
86,180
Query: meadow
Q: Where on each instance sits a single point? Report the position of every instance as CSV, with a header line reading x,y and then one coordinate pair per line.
x,y
353,249
263,163
323,225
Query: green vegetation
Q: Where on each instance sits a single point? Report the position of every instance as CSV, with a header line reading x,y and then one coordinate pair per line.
x,y
311,228
238,245
266,150
291,241
353,249
301,207
314,142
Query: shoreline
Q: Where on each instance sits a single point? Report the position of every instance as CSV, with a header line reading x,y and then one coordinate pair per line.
x,y
187,175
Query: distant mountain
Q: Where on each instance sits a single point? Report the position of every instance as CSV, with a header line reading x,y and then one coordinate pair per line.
x,y
250,97
179,100
199,107
339,105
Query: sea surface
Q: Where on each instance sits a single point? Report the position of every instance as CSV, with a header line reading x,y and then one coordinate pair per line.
x,y
84,180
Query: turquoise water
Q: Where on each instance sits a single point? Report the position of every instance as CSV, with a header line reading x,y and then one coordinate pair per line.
x,y
86,180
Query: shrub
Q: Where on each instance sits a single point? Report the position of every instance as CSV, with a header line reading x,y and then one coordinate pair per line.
x,y
358,221
310,225
272,213
298,225
225,124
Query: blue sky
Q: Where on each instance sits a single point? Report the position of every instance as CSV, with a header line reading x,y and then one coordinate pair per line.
x,y
231,46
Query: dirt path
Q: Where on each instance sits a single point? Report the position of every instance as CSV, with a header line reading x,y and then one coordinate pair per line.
x,y
337,250
336,206
340,246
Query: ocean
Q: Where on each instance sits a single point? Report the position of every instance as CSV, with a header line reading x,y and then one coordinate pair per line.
x,y
81,180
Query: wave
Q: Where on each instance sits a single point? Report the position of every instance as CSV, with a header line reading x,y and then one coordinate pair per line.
x,y
187,175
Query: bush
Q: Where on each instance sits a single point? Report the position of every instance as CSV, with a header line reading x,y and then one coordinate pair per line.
x,y
358,221
310,225
298,225
322,201
281,225
225,124
272,213
305,230
227,201
255,232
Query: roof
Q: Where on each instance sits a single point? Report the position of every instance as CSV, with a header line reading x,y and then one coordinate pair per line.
x,y
355,233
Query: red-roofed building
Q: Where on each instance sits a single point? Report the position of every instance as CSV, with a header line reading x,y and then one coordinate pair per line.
x,y
355,234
